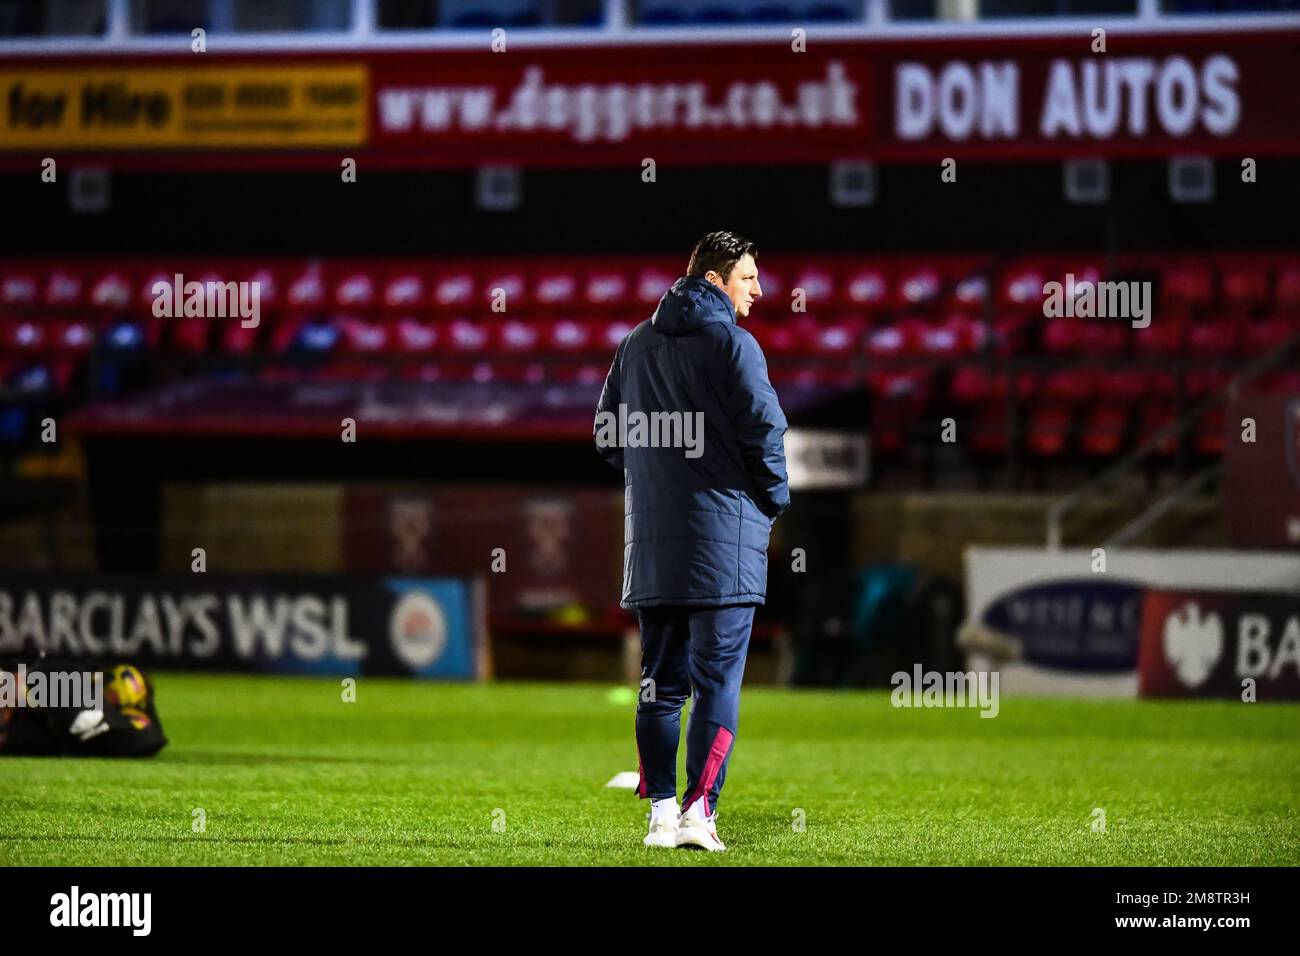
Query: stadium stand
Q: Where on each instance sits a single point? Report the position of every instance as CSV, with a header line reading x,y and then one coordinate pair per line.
x,y
923,336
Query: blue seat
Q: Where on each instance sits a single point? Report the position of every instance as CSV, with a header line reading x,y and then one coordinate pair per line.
x,y
34,378
125,336
13,424
316,337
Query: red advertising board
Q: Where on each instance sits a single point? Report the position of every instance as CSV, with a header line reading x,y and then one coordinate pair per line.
x,y
540,551
1227,94
1261,479
1235,644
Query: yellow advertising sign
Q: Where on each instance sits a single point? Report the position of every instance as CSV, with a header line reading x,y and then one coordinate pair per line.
x,y
232,107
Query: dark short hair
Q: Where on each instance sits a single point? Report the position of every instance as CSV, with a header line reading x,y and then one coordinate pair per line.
x,y
719,252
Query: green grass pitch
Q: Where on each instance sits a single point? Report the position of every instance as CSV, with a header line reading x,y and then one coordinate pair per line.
x,y
418,773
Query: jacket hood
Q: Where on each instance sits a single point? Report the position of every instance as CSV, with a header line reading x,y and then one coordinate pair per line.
x,y
691,304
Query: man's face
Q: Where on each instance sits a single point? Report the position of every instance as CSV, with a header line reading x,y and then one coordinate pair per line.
x,y
742,286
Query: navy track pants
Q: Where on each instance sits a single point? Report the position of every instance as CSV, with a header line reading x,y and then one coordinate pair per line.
x,y
696,651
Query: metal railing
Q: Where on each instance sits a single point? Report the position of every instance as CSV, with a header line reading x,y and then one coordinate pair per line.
x,y
1174,430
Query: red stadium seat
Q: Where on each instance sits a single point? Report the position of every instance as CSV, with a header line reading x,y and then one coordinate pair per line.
x,y
1121,385
1062,336
306,290
1164,336
976,385
1156,416
818,285
1267,334
1022,288
318,336
61,373
1188,284
505,291
1218,338
24,336
1162,384
866,287
888,431
455,290
19,288
568,336
557,288
605,289
913,386
1287,294
612,334
841,338
1008,335
235,340
1283,383
589,375
970,292
1245,287
64,289
1104,430
888,341
361,335
1106,336
281,336
795,335
465,337
355,290
158,282
514,336
190,335
956,335
917,288
1067,385
414,336
971,385
653,281
987,428
1049,428
111,292
786,337
405,291
72,335
1201,382
1210,434
269,288
1083,270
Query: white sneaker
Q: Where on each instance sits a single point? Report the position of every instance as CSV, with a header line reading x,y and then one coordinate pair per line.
x,y
663,831
696,831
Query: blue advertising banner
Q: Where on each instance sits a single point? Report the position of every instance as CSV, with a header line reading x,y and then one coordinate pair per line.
x,y
286,624
1083,625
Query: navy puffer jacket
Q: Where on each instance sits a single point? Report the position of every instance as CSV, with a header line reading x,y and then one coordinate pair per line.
x,y
696,519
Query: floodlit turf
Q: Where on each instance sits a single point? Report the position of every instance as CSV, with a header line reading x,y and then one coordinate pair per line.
x,y
418,773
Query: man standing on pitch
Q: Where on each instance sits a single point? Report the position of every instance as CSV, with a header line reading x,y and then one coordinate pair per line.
x,y
696,523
